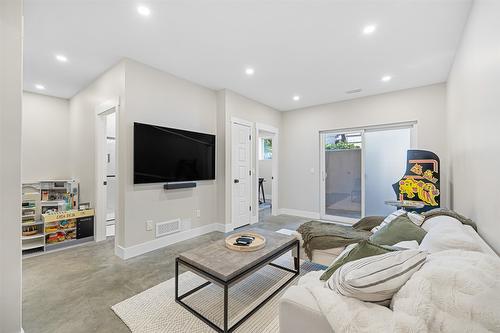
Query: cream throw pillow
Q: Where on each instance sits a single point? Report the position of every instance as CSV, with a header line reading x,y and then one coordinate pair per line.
x,y
376,278
448,236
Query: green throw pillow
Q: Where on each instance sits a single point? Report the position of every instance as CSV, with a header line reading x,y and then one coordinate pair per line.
x,y
367,223
362,250
399,230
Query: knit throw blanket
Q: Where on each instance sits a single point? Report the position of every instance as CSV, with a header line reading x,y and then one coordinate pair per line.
x,y
322,236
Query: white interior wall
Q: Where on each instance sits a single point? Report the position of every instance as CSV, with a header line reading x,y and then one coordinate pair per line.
x,y
473,117
155,97
223,210
10,160
109,86
46,138
299,148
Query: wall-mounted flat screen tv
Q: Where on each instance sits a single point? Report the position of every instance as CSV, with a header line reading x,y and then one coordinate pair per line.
x,y
163,155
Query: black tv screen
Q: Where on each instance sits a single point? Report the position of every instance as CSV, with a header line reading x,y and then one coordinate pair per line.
x,y
163,155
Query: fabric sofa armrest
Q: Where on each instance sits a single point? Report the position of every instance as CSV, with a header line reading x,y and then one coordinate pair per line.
x,y
299,313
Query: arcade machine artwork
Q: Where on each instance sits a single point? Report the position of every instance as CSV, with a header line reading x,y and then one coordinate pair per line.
x,y
421,180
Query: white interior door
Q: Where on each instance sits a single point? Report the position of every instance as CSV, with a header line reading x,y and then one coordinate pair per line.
x,y
241,177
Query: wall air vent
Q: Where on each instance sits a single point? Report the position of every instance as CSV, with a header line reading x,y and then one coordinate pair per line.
x,y
354,91
168,227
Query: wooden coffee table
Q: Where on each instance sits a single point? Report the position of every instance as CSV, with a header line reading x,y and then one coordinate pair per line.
x,y
224,267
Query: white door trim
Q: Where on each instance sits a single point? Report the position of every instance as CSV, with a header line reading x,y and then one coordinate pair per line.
x,y
100,167
401,124
235,120
275,166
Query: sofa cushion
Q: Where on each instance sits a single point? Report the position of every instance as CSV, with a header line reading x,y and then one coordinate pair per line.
x,y
448,212
449,236
407,245
400,229
354,252
440,221
376,278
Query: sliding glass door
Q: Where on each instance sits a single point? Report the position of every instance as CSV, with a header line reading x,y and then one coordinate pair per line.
x,y
358,170
342,175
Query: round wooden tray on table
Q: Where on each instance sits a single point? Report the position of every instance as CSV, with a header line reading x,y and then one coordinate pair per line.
x,y
258,243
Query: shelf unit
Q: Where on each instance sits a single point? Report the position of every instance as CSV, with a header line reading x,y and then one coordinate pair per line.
x,y
50,219
32,233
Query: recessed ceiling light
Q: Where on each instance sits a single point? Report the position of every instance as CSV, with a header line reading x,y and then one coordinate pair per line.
x,y
249,71
369,29
143,10
386,78
296,97
61,58
39,87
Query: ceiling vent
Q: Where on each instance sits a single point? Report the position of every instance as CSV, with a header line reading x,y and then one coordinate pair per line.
x,y
354,91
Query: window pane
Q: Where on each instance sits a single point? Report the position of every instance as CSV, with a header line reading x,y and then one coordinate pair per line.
x,y
267,148
343,175
385,153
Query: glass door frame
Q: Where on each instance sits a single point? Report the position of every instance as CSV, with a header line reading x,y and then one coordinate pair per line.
x,y
412,125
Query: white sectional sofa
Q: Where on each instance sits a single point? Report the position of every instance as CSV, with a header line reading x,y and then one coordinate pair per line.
x,y
299,311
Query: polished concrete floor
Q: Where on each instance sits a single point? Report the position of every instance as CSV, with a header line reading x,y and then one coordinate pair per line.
x,y
72,290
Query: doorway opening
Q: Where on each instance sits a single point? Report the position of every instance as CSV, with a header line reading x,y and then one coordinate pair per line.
x,y
111,186
358,168
266,170
106,171
265,173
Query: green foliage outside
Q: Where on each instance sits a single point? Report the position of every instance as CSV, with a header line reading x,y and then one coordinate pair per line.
x,y
267,148
340,145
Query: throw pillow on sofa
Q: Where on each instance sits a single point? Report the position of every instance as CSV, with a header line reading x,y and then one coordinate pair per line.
x,y
448,236
440,220
400,229
354,252
416,218
367,223
389,219
376,278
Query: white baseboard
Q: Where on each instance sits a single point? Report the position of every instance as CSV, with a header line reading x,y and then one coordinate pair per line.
x,y
300,213
155,244
254,219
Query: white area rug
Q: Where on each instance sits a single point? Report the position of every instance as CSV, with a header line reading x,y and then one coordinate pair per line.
x,y
155,309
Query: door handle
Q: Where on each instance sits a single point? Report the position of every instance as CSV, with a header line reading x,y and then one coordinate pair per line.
x,y
104,183
236,181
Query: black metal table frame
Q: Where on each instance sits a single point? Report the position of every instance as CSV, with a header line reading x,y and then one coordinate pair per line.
x,y
227,284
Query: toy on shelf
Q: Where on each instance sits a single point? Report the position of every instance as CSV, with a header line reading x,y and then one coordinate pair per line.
x,y
29,230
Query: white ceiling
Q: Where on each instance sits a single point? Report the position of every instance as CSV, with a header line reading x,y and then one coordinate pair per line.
x,y
312,48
